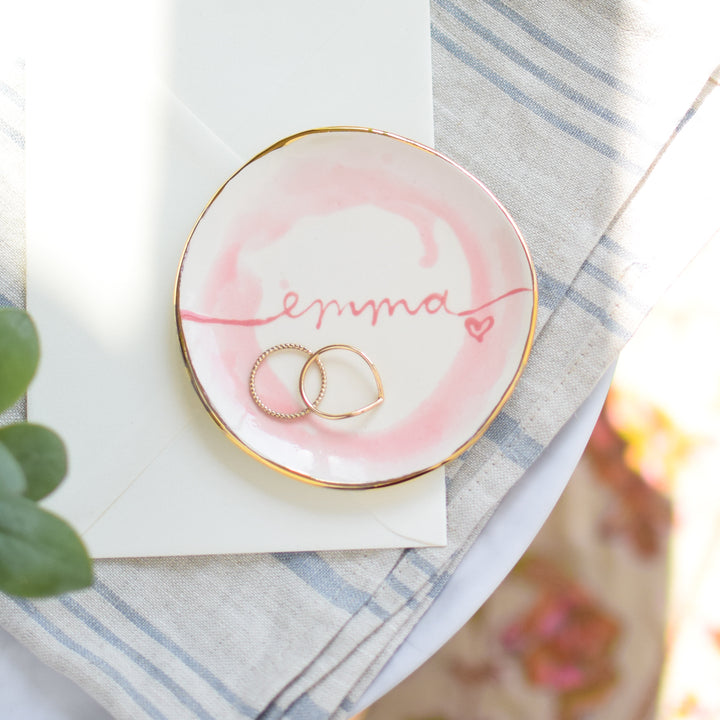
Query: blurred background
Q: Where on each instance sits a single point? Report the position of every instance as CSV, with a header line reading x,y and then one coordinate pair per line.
x,y
614,611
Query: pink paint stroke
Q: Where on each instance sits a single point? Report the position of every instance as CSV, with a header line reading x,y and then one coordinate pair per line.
x,y
432,304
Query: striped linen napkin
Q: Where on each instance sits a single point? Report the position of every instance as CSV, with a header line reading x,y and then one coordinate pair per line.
x,y
568,111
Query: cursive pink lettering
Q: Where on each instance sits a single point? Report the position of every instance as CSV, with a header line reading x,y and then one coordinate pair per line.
x,y
430,304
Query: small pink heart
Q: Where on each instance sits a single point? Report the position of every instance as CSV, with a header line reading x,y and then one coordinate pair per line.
x,y
479,328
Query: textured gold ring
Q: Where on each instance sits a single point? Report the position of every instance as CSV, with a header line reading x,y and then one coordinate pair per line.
x,y
313,359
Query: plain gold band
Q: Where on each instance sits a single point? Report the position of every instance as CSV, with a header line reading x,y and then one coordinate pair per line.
x,y
312,405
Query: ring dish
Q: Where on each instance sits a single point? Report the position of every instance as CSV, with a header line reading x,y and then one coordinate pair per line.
x,y
356,238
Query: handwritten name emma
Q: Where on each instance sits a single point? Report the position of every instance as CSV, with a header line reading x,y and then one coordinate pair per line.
x,y
431,304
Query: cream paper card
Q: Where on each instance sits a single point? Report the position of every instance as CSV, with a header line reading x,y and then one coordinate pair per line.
x,y
137,113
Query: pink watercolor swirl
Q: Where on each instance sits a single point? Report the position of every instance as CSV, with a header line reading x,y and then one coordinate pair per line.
x,y
317,186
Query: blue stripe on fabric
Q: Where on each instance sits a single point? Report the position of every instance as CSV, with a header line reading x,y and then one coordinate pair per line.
x,y
402,590
563,51
323,578
5,301
610,282
616,249
599,313
686,118
535,107
118,678
605,278
541,73
272,712
452,473
17,137
516,445
452,484
158,636
378,610
552,291
305,708
421,563
438,584
347,706
140,660
12,94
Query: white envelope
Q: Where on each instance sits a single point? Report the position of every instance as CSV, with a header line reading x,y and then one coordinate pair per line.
x,y
137,112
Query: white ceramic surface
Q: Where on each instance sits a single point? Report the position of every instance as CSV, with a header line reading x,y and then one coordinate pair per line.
x,y
347,235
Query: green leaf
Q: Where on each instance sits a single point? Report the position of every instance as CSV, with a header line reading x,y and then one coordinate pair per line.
x,y
12,479
41,455
39,553
19,352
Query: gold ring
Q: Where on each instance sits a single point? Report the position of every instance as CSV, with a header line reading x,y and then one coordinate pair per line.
x,y
313,405
308,406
